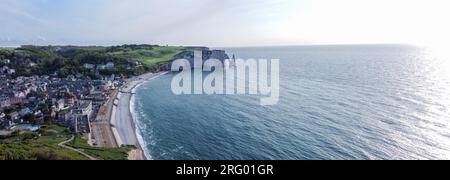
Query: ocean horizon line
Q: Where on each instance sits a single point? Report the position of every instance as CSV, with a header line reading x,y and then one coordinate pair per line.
x,y
219,47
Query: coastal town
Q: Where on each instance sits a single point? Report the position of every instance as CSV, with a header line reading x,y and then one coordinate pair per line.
x,y
85,107
70,102
92,101
75,88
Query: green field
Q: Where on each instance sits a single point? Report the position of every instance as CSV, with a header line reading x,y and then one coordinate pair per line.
x,y
151,56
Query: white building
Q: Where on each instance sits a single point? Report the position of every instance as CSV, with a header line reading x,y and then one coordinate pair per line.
x,y
11,71
84,108
89,66
101,66
110,65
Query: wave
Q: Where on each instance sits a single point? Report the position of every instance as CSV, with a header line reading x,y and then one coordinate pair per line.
x,y
135,117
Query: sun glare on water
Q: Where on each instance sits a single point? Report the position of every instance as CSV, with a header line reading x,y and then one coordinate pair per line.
x,y
438,57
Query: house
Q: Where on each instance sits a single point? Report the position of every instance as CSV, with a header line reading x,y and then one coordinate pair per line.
x,y
4,69
60,104
64,118
111,78
11,71
84,108
20,93
110,65
14,116
5,124
135,63
5,102
101,67
39,116
69,101
89,66
25,111
71,78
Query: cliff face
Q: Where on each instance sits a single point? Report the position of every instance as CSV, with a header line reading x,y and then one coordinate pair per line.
x,y
220,55
215,54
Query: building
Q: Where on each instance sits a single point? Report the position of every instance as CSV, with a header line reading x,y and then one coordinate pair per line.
x,y
60,104
110,65
25,111
84,108
5,124
4,69
82,124
101,67
11,71
5,102
73,100
89,66
14,116
63,118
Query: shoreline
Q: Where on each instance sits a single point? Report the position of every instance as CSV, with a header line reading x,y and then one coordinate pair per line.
x,y
123,122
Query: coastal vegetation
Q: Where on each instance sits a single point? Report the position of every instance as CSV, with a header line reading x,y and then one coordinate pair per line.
x,y
101,153
41,145
128,60
45,145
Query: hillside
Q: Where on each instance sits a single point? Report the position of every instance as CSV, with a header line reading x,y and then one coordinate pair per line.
x,y
47,145
89,61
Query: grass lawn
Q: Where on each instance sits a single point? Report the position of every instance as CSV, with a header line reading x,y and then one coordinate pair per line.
x,y
151,56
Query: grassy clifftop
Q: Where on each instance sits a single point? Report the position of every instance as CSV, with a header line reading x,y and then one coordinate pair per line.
x,y
150,56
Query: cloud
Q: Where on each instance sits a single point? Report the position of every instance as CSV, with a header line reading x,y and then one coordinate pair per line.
x,y
142,21
223,22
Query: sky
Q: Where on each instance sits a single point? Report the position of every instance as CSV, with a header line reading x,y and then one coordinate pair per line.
x,y
222,23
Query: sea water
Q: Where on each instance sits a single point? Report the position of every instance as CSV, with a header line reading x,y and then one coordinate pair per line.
x,y
336,102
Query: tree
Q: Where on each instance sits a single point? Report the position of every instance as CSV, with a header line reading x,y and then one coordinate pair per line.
x,y
43,107
30,118
9,110
48,120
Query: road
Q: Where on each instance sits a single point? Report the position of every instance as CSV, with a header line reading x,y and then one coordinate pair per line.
x,y
101,128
